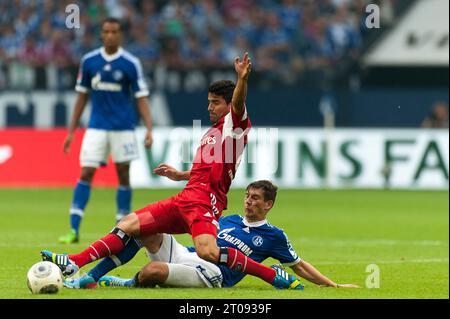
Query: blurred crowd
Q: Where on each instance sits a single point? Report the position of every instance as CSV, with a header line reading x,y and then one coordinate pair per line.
x,y
287,39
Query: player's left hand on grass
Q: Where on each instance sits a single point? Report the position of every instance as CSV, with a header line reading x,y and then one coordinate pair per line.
x,y
347,286
342,286
148,141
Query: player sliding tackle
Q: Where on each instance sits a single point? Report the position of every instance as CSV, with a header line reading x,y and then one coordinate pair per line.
x,y
174,265
197,208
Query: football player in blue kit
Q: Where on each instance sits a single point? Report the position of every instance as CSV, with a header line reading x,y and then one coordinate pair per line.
x,y
174,265
111,77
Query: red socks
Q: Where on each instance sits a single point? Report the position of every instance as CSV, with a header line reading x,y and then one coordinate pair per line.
x,y
239,262
109,245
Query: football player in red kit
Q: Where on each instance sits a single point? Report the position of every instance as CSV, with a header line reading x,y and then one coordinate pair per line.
x,y
197,208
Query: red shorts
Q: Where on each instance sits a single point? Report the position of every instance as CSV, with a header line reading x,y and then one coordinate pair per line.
x,y
190,212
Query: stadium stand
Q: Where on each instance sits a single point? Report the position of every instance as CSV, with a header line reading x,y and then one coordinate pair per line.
x,y
293,41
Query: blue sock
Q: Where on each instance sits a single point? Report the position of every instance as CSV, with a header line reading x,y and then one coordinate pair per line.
x,y
123,200
109,263
79,201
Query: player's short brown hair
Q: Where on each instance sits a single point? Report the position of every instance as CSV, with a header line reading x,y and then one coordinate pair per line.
x,y
224,88
269,189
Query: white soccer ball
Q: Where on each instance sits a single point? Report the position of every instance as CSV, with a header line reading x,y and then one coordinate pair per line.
x,y
45,278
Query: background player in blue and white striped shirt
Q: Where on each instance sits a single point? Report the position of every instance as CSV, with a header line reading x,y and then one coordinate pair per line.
x,y
111,77
175,265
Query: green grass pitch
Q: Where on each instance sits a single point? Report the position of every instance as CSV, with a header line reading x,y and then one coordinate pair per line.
x,y
405,233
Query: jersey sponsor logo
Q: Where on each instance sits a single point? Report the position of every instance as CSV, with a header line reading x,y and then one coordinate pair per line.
x,y
239,244
257,241
98,85
210,140
107,67
226,231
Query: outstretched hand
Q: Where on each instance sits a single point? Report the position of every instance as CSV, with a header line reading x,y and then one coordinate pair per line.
x,y
167,171
243,67
341,286
348,286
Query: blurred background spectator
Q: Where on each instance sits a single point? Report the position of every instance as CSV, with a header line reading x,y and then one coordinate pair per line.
x,y
292,41
438,117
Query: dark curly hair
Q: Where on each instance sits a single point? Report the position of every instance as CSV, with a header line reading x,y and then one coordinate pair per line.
x,y
224,88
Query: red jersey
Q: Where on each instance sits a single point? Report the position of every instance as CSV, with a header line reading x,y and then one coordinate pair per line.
x,y
218,157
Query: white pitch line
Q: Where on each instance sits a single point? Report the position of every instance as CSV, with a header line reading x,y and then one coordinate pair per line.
x,y
369,242
22,245
411,261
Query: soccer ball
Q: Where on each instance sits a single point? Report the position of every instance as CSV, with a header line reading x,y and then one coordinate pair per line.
x,y
44,278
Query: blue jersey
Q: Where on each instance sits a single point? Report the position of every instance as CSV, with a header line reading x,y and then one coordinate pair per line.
x,y
258,241
111,81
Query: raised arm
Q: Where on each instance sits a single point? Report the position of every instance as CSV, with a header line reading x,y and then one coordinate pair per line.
x,y
80,105
243,69
310,273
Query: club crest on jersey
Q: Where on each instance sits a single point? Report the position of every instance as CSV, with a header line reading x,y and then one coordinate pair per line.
x,y
117,75
257,241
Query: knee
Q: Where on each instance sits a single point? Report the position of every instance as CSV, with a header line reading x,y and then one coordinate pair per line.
x,y
87,174
152,242
152,274
124,180
129,224
123,174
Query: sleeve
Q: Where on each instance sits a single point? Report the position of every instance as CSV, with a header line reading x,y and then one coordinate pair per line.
x,y
138,85
243,122
284,252
83,78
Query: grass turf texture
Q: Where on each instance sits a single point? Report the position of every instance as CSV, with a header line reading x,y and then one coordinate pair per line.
x,y
341,232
